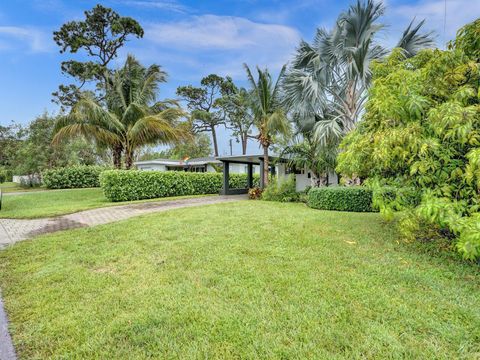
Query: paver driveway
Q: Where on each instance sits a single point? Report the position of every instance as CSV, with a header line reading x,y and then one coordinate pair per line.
x,y
14,230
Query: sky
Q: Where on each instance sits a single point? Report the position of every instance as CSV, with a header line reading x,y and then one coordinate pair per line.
x,y
189,39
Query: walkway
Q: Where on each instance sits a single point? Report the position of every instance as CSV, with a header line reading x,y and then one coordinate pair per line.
x,y
14,230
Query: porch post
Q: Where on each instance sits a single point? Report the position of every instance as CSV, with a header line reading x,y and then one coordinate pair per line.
x,y
250,175
226,177
262,183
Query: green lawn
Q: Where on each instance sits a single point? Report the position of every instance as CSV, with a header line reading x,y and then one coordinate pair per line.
x,y
239,280
8,187
56,202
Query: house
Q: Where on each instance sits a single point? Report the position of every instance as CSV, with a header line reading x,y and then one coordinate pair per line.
x,y
277,167
205,164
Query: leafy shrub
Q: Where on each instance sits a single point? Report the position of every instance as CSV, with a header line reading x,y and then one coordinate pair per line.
x,y
424,136
254,193
72,177
355,198
283,191
125,185
3,176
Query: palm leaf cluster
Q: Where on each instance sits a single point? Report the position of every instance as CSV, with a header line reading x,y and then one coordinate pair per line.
x,y
326,86
131,118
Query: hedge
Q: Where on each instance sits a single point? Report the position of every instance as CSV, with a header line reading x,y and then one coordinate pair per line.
x,y
126,185
72,177
355,198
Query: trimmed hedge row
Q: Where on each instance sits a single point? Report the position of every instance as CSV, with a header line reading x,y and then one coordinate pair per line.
x,y
126,185
72,177
355,198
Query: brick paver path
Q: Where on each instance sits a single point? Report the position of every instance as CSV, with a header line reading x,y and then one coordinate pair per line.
x,y
14,230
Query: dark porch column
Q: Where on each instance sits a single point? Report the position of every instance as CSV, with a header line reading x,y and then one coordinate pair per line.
x,y
226,177
250,176
262,183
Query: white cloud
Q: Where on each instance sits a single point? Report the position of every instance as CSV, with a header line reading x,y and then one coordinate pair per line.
x,y
459,12
35,40
158,4
221,32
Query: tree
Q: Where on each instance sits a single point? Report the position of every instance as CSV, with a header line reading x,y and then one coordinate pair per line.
x,y
35,152
202,103
329,79
133,120
11,138
269,116
420,136
235,104
196,147
100,36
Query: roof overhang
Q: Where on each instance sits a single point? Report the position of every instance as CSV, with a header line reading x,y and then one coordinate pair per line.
x,y
249,159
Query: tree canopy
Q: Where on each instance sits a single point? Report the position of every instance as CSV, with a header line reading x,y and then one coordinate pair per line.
x,y
421,134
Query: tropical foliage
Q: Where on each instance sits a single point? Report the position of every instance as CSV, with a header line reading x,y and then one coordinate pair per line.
x,y
132,119
268,113
326,86
339,198
421,135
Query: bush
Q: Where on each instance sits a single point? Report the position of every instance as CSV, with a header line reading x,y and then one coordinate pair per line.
x,y
254,193
283,191
126,185
3,176
355,198
72,177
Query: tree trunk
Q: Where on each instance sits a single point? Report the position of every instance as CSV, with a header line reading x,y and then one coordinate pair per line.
x,y
265,165
244,139
214,138
117,156
128,159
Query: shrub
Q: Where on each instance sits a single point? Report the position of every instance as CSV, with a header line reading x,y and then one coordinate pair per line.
x,y
3,176
355,198
254,193
125,185
283,191
72,177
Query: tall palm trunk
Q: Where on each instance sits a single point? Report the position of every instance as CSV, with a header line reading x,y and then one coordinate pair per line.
x,y
266,164
128,159
117,155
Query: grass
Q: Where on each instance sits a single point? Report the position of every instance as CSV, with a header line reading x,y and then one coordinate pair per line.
x,y
57,202
9,187
239,280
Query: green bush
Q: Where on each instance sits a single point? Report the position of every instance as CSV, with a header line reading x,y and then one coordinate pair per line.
x,y
355,198
3,176
283,191
72,177
126,185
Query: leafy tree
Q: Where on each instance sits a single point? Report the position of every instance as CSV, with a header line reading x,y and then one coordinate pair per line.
x,y
269,116
11,137
35,152
328,80
235,104
195,147
100,35
421,135
134,120
202,103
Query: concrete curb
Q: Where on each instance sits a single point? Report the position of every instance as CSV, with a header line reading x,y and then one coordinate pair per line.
x,y
7,352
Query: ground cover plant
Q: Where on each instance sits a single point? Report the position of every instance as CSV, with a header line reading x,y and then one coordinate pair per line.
x,y
199,283
56,202
421,135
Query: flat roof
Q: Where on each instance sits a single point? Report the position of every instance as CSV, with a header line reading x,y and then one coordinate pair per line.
x,y
247,159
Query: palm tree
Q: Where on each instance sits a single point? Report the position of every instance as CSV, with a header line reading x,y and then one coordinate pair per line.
x,y
269,116
329,79
132,119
